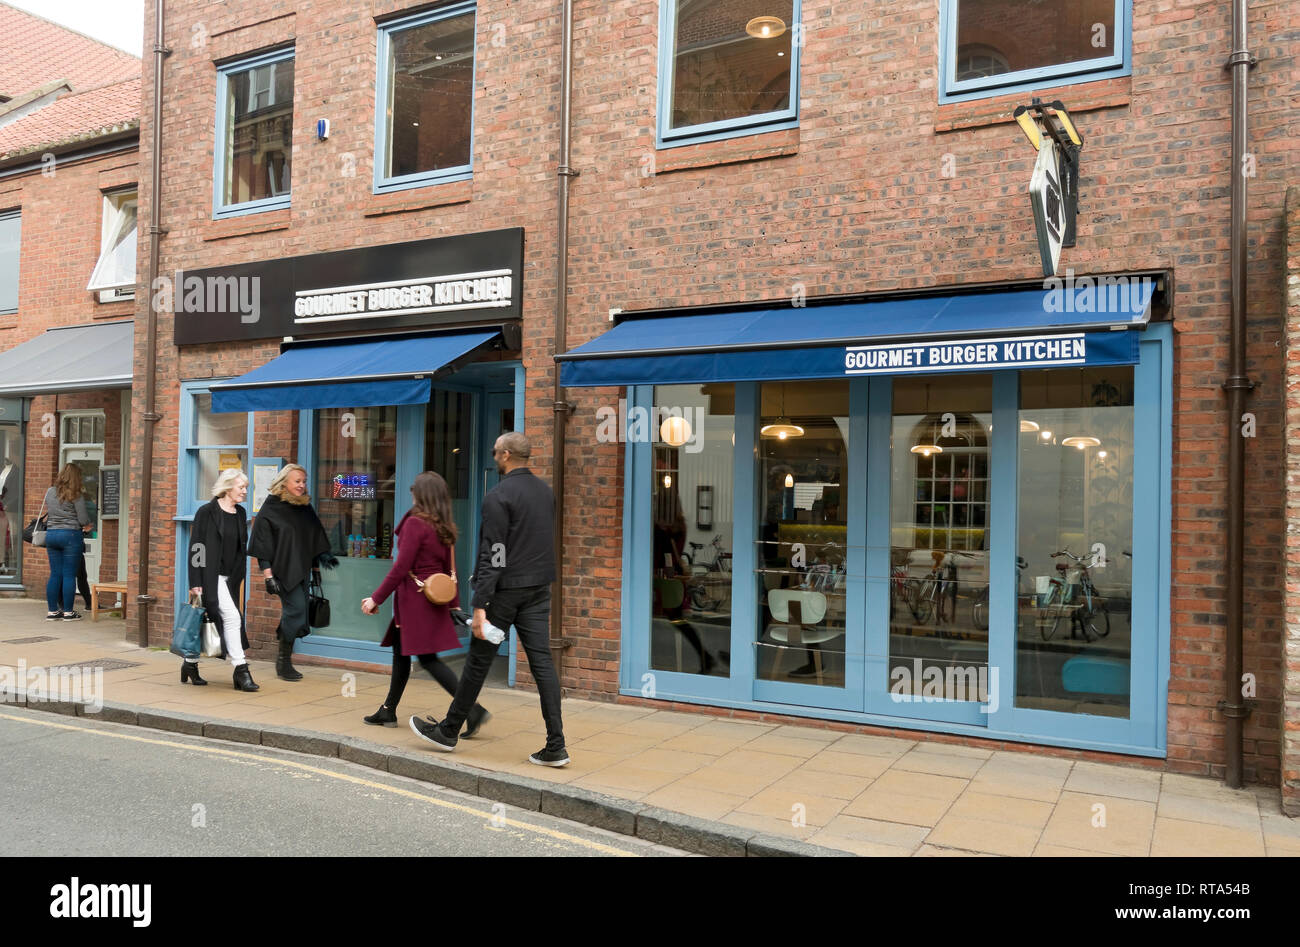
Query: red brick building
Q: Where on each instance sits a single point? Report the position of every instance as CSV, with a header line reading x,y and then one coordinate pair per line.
x,y
825,268
69,125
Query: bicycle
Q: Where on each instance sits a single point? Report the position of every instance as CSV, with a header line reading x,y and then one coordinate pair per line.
x,y
1089,617
721,558
979,607
936,594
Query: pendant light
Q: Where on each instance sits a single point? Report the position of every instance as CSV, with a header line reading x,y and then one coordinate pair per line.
x,y
765,27
932,448
783,428
1081,441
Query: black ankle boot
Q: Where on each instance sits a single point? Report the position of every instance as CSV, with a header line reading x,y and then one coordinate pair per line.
x,y
383,717
477,717
244,679
284,668
190,673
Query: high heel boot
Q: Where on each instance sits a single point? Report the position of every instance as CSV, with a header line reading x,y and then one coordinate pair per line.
x,y
244,679
284,668
385,716
190,673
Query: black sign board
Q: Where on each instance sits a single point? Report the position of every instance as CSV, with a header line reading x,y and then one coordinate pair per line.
x,y
400,286
110,491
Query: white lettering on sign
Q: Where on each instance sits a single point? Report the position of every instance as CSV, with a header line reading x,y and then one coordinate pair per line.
x,y
1069,349
492,289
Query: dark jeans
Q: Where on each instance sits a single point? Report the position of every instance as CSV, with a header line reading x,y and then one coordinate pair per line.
x,y
529,610
402,672
64,548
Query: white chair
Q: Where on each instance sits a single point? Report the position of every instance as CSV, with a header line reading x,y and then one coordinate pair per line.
x,y
795,613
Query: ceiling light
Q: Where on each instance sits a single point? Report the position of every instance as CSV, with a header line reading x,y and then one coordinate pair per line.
x,y
1027,426
1081,441
1045,435
789,480
675,431
927,450
668,481
765,27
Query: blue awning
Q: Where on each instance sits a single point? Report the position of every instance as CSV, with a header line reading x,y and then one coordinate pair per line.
x,y
375,372
1072,325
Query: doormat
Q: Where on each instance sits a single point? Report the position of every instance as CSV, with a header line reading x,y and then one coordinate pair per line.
x,y
36,640
108,664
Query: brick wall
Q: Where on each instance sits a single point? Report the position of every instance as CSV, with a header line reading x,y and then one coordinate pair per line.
x,y
1290,656
854,200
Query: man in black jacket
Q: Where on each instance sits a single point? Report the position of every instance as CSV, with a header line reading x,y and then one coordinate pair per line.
x,y
512,586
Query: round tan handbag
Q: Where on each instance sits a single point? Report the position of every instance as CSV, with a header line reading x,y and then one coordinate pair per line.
x,y
439,588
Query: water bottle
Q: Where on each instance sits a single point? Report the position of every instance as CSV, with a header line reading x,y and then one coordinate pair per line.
x,y
493,634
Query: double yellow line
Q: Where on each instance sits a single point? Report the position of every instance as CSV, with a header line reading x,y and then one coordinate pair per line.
x,y
343,777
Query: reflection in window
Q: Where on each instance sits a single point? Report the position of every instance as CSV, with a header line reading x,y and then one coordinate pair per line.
x,y
693,429
1074,600
356,467
428,93
803,510
11,225
12,454
256,133
730,60
939,517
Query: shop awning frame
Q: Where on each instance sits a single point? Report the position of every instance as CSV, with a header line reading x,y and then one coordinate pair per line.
x,y
812,342
70,358
367,372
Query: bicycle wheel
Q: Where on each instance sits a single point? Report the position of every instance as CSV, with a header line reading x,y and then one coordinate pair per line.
x,y
1094,624
944,606
911,595
979,610
1049,619
924,606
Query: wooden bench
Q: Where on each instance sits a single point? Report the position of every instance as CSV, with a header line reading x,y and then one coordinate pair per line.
x,y
98,587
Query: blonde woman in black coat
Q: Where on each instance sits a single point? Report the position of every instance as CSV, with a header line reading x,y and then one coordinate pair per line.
x,y
218,557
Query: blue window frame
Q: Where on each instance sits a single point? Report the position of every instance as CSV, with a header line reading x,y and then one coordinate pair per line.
x,y
994,47
424,99
253,143
866,697
11,229
202,440
727,69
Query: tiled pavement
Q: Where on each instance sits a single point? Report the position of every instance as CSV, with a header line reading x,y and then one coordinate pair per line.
x,y
869,795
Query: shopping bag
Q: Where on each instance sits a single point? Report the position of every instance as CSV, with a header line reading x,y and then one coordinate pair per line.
x,y
211,638
187,638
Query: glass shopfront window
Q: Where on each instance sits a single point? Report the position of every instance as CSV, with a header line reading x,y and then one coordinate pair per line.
x,y
448,443
693,429
1074,601
803,484
939,519
354,487
218,442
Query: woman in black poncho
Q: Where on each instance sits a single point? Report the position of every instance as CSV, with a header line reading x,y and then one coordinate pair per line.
x,y
289,543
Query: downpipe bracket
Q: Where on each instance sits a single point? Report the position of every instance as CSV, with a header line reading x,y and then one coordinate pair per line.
x,y
145,599
1234,711
1238,382
1241,57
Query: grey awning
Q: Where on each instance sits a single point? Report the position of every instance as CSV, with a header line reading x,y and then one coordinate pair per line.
x,y
72,358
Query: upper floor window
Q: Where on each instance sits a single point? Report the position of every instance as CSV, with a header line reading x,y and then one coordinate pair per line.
x,y
254,140
114,274
727,67
11,225
425,98
991,47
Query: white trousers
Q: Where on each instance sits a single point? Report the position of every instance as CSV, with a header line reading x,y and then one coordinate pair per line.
x,y
230,623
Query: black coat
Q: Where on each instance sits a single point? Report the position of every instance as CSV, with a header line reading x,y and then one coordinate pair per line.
x,y
289,537
518,522
208,523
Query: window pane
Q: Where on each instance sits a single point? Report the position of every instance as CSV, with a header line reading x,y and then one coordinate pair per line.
x,y
11,502
721,71
258,132
448,440
997,36
10,233
431,91
116,266
1074,640
803,516
218,428
209,467
690,611
356,466
939,449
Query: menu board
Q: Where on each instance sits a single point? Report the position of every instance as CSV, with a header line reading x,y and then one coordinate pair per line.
x,y
110,492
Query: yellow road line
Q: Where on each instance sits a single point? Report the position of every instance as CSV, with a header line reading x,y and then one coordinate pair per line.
x,y
553,833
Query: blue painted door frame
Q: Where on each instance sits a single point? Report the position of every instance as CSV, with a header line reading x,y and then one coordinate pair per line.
x,y
865,697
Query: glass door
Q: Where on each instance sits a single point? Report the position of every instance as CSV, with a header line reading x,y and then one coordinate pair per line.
x,y
11,492
83,444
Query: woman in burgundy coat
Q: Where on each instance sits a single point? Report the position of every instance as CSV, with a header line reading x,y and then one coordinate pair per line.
x,y
426,539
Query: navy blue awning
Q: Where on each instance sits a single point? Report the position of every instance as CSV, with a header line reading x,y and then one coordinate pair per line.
x,y
348,374
1074,325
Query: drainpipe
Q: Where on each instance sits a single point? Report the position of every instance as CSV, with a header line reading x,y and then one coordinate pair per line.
x,y
149,415
562,407
1236,384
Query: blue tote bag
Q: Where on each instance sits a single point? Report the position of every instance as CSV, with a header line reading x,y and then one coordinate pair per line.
x,y
187,633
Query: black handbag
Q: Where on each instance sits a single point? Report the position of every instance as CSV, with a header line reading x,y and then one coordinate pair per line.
x,y
318,606
36,529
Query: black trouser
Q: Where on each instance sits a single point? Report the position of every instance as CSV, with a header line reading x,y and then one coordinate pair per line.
x,y
83,581
529,610
293,612
402,672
